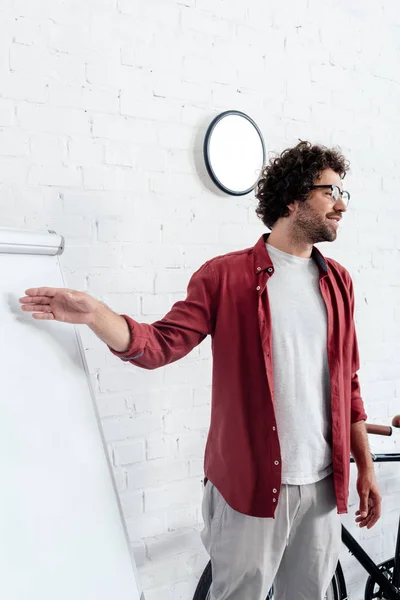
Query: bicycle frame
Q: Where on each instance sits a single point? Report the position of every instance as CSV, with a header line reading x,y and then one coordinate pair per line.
x,y
365,561
391,589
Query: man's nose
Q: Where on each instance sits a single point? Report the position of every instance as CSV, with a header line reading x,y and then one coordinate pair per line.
x,y
340,205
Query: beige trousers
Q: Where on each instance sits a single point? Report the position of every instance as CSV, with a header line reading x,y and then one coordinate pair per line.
x,y
297,551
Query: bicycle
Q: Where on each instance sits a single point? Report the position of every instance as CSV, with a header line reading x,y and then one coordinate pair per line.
x,y
384,578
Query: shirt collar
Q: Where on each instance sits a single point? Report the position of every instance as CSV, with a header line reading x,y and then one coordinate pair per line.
x,y
262,259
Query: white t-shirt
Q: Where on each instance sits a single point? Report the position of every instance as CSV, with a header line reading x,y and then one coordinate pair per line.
x,y
301,371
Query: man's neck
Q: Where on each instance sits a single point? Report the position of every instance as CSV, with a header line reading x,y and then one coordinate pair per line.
x,y
284,242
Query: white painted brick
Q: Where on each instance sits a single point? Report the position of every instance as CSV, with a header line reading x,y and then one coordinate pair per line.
x,y
114,178
120,153
160,592
196,419
97,204
85,151
48,148
56,175
108,73
37,61
65,95
156,472
128,453
7,113
154,304
119,127
176,136
39,118
124,230
161,446
19,86
202,396
13,170
191,444
132,504
122,304
153,159
118,281
110,405
28,32
209,24
86,97
201,231
173,398
179,519
196,467
148,525
100,99
129,427
190,92
104,255
13,142
186,540
161,255
171,280
184,492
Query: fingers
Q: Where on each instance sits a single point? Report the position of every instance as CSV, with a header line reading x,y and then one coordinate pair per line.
x,y
42,308
46,316
373,515
35,300
363,510
42,291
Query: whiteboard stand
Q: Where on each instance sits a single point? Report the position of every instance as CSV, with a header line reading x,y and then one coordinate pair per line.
x,y
62,532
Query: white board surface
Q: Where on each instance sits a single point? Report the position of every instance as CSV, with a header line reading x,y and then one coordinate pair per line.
x,y
61,532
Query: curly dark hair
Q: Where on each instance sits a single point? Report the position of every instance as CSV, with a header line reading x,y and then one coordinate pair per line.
x,y
288,177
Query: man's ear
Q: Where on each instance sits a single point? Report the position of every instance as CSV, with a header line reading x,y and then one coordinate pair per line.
x,y
292,207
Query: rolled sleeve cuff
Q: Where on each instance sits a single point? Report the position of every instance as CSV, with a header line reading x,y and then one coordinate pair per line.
x,y
357,411
135,349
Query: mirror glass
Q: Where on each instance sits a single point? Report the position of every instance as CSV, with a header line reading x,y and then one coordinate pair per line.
x,y
234,152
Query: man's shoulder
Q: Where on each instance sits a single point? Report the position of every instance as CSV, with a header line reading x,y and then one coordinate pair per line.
x,y
224,260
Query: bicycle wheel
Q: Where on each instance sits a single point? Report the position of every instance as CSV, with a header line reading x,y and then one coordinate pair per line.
x,y
373,589
336,590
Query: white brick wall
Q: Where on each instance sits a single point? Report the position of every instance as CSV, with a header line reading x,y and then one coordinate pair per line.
x,y
103,106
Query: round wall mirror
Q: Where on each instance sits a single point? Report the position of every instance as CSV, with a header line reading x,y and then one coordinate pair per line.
x,y
234,152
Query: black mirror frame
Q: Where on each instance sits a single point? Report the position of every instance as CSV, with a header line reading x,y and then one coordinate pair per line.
x,y
206,145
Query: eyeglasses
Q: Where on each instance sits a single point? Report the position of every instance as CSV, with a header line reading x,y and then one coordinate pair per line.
x,y
336,193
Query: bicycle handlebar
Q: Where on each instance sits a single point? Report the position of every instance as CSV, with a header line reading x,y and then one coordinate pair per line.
x,y
379,429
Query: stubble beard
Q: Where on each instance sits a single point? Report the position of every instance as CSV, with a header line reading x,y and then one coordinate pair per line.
x,y
311,227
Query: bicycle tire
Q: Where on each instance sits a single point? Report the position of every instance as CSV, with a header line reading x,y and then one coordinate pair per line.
x,y
336,590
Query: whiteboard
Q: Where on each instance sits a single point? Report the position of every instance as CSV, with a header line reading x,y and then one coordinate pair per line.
x,y
62,535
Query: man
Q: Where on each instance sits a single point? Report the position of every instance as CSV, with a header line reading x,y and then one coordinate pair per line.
x,y
286,404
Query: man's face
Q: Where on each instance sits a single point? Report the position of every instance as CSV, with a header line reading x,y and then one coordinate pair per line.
x,y
317,218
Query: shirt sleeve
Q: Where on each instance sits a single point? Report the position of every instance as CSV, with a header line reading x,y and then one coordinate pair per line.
x,y
184,327
357,405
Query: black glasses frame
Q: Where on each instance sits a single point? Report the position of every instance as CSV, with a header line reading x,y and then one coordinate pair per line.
x,y
343,194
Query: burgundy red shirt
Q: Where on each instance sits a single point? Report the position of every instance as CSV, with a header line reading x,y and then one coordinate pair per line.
x,y
227,298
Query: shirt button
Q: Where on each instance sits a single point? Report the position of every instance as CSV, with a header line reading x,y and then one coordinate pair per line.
x,y
258,288
274,491
273,499
276,462
270,269
274,428
258,268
